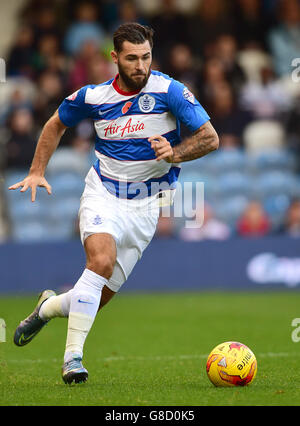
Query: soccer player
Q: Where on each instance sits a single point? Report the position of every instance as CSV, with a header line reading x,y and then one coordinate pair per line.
x,y
138,149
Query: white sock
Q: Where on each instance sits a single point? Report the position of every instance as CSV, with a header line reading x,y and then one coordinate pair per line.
x,y
85,299
56,306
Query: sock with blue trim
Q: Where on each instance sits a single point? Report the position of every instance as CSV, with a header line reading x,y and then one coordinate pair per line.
x,y
85,300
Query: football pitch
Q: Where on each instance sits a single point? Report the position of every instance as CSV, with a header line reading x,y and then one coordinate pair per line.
x,y
151,350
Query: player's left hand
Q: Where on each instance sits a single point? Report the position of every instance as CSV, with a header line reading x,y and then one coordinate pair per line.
x,y
162,148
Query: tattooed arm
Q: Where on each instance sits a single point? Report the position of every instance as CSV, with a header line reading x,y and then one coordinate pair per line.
x,y
203,141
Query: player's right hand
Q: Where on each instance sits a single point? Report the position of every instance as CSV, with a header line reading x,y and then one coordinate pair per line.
x,y
32,181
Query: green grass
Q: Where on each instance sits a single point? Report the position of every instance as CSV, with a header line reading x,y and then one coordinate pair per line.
x,y
146,350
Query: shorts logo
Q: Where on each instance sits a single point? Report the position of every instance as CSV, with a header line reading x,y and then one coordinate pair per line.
x,y
97,220
146,103
187,94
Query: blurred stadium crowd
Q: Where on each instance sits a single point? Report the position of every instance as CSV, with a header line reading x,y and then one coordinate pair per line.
x,y
236,56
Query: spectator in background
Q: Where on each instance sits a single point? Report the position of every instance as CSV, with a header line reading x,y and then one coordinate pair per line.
x,y
267,98
264,136
90,66
21,143
212,18
170,28
127,12
249,22
19,93
209,227
44,23
252,59
182,66
226,115
78,75
226,50
21,56
86,27
229,141
212,76
48,55
284,39
292,220
254,222
292,127
100,69
30,8
50,91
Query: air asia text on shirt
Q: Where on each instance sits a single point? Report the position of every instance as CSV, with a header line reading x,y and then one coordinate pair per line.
x,y
113,128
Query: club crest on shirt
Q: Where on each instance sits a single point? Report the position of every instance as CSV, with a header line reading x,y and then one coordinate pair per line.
x,y
146,103
187,94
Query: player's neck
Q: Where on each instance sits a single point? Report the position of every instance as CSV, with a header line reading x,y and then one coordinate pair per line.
x,y
122,88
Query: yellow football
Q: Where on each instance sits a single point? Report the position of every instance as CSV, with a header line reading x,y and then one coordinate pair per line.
x,y
231,364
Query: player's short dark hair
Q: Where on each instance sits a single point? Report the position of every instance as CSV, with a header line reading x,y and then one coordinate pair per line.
x,y
134,33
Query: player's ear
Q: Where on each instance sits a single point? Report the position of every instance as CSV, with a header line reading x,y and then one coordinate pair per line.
x,y
114,56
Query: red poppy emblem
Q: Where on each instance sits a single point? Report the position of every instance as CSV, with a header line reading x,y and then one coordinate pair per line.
x,y
126,107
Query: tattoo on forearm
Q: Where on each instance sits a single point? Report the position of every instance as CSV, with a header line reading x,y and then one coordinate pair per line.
x,y
203,141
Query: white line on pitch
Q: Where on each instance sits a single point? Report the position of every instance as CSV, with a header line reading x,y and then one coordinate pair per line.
x,y
157,357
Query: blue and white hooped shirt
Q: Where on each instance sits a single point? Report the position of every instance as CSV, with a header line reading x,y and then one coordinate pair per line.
x,y
125,120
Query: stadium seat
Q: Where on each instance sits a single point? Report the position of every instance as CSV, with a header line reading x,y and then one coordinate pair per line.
x,y
31,232
295,190
68,160
22,209
252,60
231,208
64,209
67,183
263,135
235,183
43,231
275,182
62,229
227,160
187,176
199,165
281,160
276,207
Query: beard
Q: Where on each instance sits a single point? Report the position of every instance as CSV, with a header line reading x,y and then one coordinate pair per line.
x,y
133,85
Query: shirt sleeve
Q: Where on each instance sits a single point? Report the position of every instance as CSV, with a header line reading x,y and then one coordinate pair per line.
x,y
185,107
73,109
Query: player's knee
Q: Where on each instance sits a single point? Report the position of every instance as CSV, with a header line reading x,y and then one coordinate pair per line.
x,y
102,264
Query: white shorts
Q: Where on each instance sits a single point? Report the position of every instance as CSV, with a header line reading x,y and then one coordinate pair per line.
x,y
132,224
